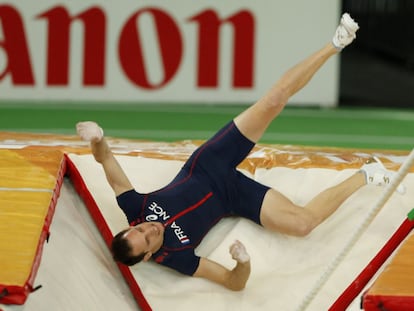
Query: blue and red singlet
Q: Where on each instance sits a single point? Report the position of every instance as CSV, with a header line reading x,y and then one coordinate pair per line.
x,y
207,188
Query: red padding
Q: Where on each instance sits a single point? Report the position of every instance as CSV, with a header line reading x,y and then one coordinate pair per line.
x,y
100,222
355,288
18,294
389,303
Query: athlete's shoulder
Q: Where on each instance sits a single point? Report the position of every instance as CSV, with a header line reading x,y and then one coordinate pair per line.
x,y
182,260
131,203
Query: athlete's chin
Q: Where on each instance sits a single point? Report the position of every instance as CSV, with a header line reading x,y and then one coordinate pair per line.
x,y
160,228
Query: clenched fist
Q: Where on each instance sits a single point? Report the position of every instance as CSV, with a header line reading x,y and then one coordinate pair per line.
x,y
238,252
89,131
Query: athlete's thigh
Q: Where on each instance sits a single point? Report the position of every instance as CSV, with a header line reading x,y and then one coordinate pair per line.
x,y
225,150
248,196
280,214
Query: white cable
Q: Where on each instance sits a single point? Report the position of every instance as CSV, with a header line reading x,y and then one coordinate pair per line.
x,y
388,191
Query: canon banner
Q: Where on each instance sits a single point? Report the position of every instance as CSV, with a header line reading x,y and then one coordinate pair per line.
x,y
181,51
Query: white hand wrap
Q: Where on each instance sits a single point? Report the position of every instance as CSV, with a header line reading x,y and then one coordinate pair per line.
x,y
89,131
239,253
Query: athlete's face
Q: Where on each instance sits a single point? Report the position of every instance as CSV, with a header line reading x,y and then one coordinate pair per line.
x,y
146,237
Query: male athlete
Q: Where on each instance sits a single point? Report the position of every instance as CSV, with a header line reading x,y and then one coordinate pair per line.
x,y
208,187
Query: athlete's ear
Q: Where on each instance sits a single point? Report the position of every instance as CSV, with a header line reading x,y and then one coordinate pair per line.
x,y
147,256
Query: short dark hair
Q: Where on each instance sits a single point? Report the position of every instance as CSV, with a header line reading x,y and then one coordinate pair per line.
x,y
121,250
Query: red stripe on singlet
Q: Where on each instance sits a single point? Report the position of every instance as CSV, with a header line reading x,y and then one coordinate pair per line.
x,y
189,209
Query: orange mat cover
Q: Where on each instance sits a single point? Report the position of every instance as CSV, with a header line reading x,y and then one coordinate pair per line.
x,y
30,181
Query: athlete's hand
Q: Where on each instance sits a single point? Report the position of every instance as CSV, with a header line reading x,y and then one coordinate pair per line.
x,y
89,131
238,252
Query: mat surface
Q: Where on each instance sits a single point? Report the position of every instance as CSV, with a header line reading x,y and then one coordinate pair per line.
x,y
281,264
284,268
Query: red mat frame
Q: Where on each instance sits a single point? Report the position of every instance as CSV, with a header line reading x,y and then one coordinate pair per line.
x,y
79,184
355,288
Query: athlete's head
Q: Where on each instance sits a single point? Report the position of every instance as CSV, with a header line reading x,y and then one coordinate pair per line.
x,y
137,243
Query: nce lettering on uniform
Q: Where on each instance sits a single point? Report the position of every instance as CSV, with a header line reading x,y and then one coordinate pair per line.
x,y
158,210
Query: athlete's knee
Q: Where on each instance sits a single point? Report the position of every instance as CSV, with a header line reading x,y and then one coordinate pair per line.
x,y
303,226
304,223
298,224
278,99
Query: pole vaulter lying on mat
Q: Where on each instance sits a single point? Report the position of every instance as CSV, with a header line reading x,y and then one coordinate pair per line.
x,y
167,224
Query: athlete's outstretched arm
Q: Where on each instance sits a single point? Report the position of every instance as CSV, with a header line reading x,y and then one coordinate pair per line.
x,y
93,133
234,279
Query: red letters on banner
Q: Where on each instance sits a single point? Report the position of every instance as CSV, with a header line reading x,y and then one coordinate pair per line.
x,y
94,21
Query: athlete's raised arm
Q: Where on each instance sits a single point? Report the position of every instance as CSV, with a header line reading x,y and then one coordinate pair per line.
x,y
93,133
